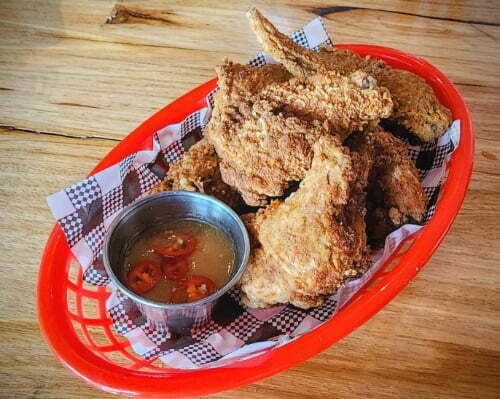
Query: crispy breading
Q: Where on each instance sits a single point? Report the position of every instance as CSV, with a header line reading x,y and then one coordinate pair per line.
x,y
237,80
416,108
395,195
347,61
300,61
261,152
199,171
265,140
341,104
326,214
248,220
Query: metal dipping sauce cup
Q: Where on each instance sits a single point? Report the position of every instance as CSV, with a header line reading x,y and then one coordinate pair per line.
x,y
159,209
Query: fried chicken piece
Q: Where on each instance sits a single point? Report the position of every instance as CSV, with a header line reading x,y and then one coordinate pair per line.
x,y
341,104
327,214
263,124
379,223
297,59
416,108
395,195
238,81
261,152
265,140
199,171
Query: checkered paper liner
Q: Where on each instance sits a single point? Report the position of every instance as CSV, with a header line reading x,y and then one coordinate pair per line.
x,y
86,210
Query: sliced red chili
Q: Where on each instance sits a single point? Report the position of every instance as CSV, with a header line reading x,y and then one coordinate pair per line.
x,y
193,289
174,244
175,268
144,276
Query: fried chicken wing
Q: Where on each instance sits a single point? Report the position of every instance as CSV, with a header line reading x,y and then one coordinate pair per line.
x,y
264,140
297,59
416,108
199,171
395,195
325,214
342,104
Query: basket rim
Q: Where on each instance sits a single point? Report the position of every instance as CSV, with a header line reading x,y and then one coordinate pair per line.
x,y
57,329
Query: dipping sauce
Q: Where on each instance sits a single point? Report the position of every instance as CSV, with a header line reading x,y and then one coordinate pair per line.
x,y
181,262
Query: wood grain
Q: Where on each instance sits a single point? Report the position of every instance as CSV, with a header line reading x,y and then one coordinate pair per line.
x,y
65,71
80,72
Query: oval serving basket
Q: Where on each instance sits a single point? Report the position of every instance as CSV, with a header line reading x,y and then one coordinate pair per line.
x,y
79,332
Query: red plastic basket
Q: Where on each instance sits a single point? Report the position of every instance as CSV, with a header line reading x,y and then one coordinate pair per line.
x,y
79,332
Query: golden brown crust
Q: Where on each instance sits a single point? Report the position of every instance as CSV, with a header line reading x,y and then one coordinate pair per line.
x,y
247,184
346,61
416,107
295,58
262,151
264,140
237,80
326,213
398,176
341,104
199,171
395,195
249,220
258,159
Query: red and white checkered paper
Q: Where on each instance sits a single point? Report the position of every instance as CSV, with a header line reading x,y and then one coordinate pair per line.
x,y
86,209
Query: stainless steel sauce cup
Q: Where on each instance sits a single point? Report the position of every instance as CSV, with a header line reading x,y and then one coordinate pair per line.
x,y
156,210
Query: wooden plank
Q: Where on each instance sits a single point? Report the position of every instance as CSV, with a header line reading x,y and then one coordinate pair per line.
x,y
32,167
85,77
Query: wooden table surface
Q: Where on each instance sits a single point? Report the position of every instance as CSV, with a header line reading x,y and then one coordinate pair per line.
x,y
77,76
